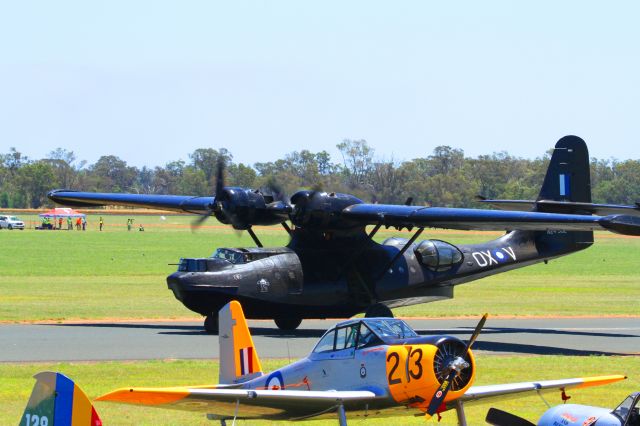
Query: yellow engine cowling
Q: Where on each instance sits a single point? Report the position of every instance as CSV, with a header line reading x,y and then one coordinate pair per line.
x,y
415,372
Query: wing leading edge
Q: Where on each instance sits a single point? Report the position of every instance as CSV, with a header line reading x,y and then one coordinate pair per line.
x,y
487,220
179,203
273,404
516,390
384,214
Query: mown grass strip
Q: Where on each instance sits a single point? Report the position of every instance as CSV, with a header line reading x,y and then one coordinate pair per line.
x,y
101,377
59,275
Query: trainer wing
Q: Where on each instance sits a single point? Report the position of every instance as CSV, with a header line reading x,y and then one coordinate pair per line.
x,y
488,220
242,403
518,390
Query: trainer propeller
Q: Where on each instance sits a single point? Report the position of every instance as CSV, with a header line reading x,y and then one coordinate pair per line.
x,y
456,366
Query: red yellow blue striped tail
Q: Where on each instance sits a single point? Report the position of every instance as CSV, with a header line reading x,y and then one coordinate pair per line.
x,y
57,401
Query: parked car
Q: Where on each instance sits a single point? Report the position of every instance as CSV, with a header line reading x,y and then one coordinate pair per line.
x,y
11,222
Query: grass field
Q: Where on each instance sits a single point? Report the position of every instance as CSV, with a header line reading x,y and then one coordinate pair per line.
x,y
62,275
120,274
99,378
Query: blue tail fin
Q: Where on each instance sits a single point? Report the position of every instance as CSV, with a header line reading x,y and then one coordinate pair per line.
x,y
567,189
57,401
568,176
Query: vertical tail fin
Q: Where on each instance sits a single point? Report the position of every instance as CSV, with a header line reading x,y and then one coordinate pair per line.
x,y
568,180
57,401
239,360
568,176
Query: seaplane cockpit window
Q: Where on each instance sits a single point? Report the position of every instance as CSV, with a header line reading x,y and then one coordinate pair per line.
x,y
232,256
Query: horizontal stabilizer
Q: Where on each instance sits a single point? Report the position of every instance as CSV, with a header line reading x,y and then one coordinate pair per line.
x,y
622,224
551,206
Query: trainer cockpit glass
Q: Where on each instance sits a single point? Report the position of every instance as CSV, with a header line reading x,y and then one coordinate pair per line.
x,y
362,333
390,327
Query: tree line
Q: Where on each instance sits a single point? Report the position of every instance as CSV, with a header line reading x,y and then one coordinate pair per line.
x,y
445,178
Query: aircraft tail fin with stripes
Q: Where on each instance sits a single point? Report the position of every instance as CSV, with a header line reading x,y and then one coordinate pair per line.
x,y
239,360
57,401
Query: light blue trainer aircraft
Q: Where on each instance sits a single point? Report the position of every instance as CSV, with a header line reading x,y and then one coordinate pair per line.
x,y
367,367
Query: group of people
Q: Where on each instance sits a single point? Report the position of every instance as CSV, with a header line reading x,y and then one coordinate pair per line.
x,y
80,222
130,225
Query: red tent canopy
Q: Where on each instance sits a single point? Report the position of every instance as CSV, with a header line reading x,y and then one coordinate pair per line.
x,y
62,212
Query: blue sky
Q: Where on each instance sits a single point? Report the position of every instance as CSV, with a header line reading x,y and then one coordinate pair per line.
x,y
150,82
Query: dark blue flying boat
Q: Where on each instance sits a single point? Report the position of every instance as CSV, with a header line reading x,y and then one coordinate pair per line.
x,y
332,267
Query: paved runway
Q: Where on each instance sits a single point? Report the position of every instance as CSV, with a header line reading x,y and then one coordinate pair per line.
x,y
162,340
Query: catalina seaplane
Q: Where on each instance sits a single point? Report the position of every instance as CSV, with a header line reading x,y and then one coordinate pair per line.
x,y
332,267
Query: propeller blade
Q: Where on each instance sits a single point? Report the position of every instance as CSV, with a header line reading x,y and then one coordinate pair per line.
x,y
476,332
220,177
219,190
497,417
197,223
442,391
276,190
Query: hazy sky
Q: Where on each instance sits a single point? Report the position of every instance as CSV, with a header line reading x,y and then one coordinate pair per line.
x,y
152,81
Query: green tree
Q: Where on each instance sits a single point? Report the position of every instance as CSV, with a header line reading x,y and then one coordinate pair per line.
x,y
357,156
35,180
111,174
206,160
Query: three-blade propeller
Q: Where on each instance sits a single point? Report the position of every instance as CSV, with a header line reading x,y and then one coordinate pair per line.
x,y
456,366
234,205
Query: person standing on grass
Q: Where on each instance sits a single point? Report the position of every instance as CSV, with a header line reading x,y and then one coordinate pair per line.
x,y
78,223
69,224
84,223
59,223
101,222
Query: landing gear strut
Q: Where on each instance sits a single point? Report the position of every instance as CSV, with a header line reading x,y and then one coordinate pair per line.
x,y
211,324
288,324
378,310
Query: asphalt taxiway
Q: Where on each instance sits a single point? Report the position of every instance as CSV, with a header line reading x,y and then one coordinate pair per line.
x,y
187,340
